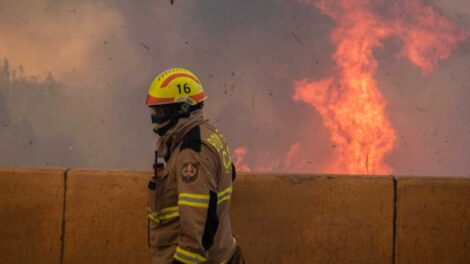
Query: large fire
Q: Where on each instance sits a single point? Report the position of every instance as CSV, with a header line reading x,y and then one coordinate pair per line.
x,y
349,101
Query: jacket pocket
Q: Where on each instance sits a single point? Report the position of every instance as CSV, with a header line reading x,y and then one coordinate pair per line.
x,y
164,234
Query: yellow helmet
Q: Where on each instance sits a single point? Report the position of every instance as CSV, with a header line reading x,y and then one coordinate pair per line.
x,y
175,85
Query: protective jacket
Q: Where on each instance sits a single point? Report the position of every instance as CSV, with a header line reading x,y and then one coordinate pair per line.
x,y
189,195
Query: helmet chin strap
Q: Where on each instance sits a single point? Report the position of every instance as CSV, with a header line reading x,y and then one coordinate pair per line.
x,y
184,108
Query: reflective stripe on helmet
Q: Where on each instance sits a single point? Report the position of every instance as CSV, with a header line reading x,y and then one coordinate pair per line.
x,y
176,75
199,97
156,101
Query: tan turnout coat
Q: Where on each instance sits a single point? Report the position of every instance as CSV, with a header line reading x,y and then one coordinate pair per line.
x,y
190,194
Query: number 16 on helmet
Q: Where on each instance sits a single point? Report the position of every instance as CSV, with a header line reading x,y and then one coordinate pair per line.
x,y
175,85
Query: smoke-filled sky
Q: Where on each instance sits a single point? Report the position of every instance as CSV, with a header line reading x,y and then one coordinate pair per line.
x,y
103,55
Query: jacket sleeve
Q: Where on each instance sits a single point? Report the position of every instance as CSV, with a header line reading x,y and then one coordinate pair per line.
x,y
197,205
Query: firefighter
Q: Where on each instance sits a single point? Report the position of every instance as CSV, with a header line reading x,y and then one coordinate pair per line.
x,y
190,192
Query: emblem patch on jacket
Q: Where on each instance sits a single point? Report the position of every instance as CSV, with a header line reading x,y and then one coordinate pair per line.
x,y
190,172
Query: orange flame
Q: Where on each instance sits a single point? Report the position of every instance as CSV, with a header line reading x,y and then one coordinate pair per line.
x,y
350,103
239,157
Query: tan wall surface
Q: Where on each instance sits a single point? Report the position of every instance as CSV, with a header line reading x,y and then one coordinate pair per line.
x,y
433,221
31,207
277,219
314,219
284,219
106,217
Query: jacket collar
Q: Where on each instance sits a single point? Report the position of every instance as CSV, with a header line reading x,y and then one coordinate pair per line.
x,y
171,139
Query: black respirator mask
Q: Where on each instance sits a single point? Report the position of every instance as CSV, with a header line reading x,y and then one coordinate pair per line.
x,y
165,116
162,113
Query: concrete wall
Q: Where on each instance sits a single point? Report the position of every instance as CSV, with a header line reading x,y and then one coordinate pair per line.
x,y
314,219
106,217
31,213
101,216
433,220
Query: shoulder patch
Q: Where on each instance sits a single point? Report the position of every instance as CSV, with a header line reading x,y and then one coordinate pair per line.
x,y
190,172
192,140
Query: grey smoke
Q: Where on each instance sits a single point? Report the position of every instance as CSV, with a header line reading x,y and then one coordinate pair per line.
x,y
103,56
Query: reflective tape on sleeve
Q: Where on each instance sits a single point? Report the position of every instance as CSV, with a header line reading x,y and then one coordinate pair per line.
x,y
188,257
164,214
224,195
195,200
202,200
